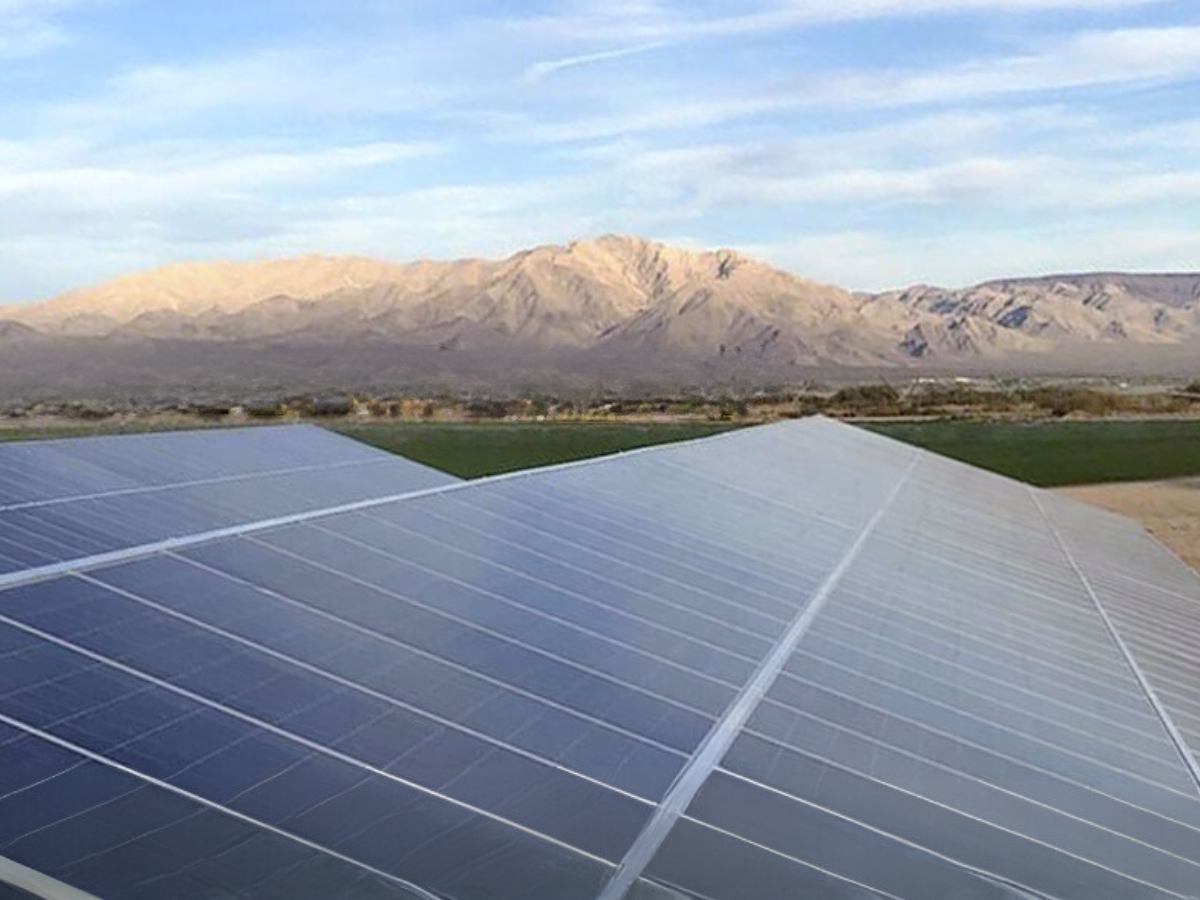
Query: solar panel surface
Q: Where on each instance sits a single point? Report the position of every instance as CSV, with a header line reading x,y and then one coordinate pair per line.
x,y
788,661
64,499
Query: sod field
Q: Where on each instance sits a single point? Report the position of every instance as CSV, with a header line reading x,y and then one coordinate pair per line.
x,y
471,450
1043,453
1059,453
1047,453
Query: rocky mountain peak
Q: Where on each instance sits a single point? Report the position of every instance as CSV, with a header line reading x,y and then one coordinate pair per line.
x,y
651,306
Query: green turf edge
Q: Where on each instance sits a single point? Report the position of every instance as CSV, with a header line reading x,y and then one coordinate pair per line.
x,y
470,450
1043,453
1062,453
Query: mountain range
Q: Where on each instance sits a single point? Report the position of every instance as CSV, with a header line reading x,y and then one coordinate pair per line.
x,y
616,309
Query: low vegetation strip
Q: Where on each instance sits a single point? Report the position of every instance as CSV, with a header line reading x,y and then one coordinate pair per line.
x,y
1052,453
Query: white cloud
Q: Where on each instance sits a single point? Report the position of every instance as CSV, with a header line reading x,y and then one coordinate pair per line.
x,y
956,160
1094,59
293,143
338,83
869,260
175,178
74,223
30,28
1090,59
106,221
669,22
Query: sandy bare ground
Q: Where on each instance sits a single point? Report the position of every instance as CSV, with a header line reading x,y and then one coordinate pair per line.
x,y
1169,509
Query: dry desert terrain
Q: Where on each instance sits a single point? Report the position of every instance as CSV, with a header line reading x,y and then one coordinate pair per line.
x,y
1169,509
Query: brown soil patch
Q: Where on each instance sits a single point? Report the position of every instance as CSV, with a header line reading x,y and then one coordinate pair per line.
x,y
1170,510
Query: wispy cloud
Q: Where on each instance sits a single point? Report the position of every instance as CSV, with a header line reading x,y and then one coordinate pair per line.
x,y
179,198
1094,59
325,126
29,28
1128,56
287,81
881,260
176,175
540,70
599,21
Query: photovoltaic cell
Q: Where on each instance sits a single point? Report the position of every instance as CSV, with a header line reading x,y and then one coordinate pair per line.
x,y
1151,599
883,715
798,660
12,892
110,833
65,499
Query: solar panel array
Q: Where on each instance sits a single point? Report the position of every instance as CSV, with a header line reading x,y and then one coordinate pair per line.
x,y
797,660
65,499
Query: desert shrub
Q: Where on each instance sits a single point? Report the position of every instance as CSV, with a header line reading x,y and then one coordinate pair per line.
x,y
382,409
212,411
91,414
859,395
1059,400
486,409
769,398
265,411
869,400
810,405
939,397
332,407
728,408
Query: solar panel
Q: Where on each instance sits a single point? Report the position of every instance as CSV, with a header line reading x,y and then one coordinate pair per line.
x,y
1152,602
121,834
64,499
787,661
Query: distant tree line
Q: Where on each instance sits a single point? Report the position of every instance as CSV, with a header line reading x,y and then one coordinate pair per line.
x,y
878,400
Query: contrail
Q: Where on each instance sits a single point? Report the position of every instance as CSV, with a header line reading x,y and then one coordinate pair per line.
x,y
540,70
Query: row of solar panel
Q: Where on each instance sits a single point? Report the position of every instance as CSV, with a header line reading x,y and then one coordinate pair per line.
x,y
1154,603
641,734
486,691
116,493
45,471
111,830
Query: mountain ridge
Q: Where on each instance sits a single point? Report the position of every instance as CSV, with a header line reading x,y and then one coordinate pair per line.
x,y
616,303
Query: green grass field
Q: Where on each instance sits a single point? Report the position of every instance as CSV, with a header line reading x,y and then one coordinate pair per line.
x,y
470,450
1047,453
1058,453
1044,453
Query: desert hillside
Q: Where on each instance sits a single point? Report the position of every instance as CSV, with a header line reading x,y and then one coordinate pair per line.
x,y
614,305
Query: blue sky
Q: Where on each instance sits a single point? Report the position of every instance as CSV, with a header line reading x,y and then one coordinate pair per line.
x,y
871,143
